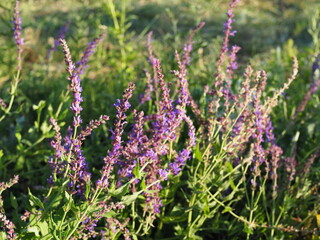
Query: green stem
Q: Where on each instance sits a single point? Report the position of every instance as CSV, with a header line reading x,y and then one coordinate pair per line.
x,y
90,204
14,87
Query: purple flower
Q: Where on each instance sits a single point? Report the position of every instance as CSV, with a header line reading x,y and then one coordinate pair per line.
x,y
74,85
113,156
62,32
183,156
17,32
82,64
163,174
2,103
224,49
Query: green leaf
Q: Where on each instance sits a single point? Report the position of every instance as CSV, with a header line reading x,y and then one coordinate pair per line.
x,y
34,201
134,237
45,127
206,209
13,201
310,129
229,166
296,137
110,214
1,153
198,153
54,201
44,228
34,230
233,186
18,136
247,229
40,105
143,184
3,236
178,214
88,189
127,200
227,209
67,196
121,191
136,170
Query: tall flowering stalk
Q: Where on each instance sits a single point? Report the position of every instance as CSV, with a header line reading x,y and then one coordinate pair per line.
x,y
315,83
17,32
69,160
224,49
82,63
61,35
17,28
75,86
152,82
114,155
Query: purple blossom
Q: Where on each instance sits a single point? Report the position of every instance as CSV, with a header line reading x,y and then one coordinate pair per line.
x,y
315,83
56,143
9,226
182,157
238,126
2,103
290,166
79,174
93,124
269,131
74,85
82,64
113,156
62,32
310,161
224,49
253,183
163,174
17,28
147,94
233,59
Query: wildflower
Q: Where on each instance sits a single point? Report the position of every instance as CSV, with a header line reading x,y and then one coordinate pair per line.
x,y
187,48
62,32
290,166
74,84
2,103
93,124
82,64
17,28
310,161
147,94
7,224
315,83
9,227
56,143
113,156
224,49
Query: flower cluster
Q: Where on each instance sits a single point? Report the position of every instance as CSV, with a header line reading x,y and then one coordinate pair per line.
x,y
7,224
17,28
75,86
69,160
61,35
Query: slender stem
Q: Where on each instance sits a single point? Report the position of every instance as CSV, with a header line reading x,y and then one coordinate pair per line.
x,y
14,87
90,204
